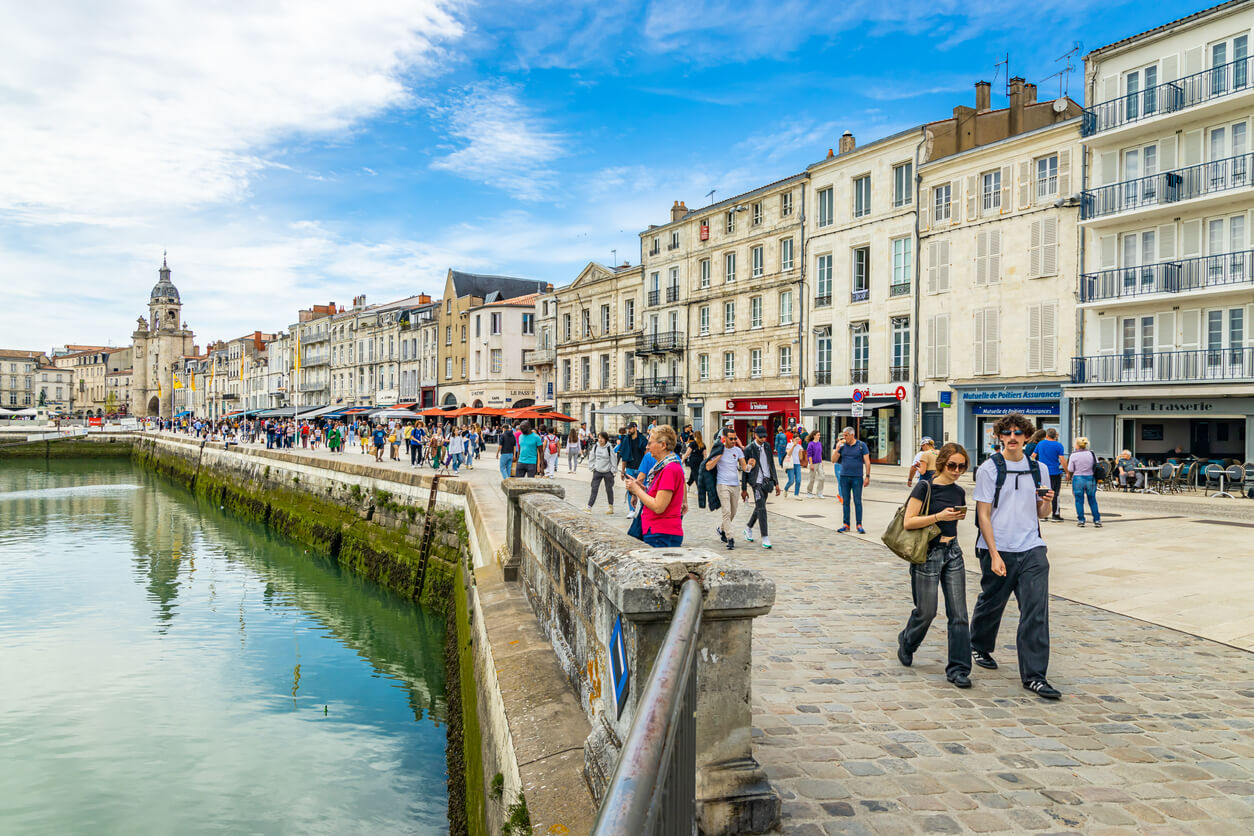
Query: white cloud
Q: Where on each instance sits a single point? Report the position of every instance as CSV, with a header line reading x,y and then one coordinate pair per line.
x,y
503,144
113,112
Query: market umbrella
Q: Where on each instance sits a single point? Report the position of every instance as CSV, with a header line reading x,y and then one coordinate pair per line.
x,y
554,416
395,413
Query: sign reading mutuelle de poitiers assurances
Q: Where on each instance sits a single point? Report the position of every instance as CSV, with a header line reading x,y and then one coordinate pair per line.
x,y
619,671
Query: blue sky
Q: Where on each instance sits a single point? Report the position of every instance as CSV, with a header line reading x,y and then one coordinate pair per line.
x,y
305,151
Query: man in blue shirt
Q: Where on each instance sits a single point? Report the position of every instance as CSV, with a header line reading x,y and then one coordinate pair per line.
x,y
1050,452
854,474
781,443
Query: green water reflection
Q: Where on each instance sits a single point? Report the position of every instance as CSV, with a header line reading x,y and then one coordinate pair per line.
x,y
165,668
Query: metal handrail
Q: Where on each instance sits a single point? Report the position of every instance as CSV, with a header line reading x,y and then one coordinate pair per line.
x,y
1168,186
653,789
1169,276
1186,366
1169,96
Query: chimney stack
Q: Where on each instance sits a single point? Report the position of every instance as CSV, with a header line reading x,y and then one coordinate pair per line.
x,y
1029,94
830,153
678,210
846,142
424,299
1016,105
983,96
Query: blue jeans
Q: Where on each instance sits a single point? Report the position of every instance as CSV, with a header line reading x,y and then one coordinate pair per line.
x,y
1081,487
506,461
794,479
944,570
663,541
456,459
851,494
631,500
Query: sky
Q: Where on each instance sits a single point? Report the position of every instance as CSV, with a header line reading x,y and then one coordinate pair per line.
x,y
295,152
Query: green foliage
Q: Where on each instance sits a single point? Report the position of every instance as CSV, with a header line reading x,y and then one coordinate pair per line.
x,y
517,820
498,787
355,490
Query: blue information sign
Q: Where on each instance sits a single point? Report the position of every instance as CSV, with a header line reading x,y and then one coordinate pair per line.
x,y
619,672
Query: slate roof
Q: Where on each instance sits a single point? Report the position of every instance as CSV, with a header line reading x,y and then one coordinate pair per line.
x,y
505,287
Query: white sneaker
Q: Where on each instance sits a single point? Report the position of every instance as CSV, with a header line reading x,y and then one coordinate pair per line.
x,y
609,512
766,542
820,496
588,509
748,534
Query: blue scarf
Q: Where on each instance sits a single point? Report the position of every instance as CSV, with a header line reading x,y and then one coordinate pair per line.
x,y
657,468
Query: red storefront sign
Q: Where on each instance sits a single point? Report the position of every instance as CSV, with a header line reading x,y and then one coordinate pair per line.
x,y
774,413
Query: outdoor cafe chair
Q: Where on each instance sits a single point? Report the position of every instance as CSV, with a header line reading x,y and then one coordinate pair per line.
x,y
1166,478
1220,475
1248,485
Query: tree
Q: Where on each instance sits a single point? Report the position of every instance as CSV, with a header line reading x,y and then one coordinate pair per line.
x,y
111,401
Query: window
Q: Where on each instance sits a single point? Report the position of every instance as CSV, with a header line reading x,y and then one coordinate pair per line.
x,y
657,246
496,324
861,278
903,265
585,317
528,324
675,239
585,372
729,317
757,214
1234,51
463,340
703,367
731,222
991,191
478,329
497,358
755,312
785,307
703,320
862,196
942,207
448,306
785,204
903,185
729,365
566,375
826,206
785,359
785,254
1047,176
1140,95
448,368
629,315
448,338
729,261
672,288
937,266
900,370
823,355
605,371
860,350
987,356
1043,337
823,281
938,346
988,257
705,272
629,369
759,261
1043,248
605,320
755,362
566,328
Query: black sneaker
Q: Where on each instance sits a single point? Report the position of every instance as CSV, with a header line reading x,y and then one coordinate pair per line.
x,y
1080,524
1043,689
1056,518
1097,525
721,535
960,680
904,656
731,544
984,660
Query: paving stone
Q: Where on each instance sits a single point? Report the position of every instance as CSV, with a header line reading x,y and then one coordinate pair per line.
x,y
982,822
941,824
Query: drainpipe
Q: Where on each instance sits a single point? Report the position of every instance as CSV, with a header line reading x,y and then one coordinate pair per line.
x,y
1072,402
918,293
801,306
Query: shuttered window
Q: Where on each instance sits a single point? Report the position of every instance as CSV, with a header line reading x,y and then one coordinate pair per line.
x,y
1043,248
988,256
938,346
1042,337
938,266
987,356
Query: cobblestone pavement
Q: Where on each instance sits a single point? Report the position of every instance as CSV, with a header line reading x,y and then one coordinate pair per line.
x,y
1154,733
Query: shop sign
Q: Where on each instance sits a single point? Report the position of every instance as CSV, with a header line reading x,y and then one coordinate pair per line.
x,y
1013,395
1040,409
1165,406
868,392
855,411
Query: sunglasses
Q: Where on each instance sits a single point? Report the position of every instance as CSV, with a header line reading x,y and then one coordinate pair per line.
x,y
1013,432
956,467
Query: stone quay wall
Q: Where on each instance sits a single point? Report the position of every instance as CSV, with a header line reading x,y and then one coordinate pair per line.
x,y
580,576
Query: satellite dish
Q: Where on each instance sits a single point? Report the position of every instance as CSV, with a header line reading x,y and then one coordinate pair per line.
x,y
1060,105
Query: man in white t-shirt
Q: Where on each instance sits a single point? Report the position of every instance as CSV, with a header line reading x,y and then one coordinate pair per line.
x,y
728,463
1012,554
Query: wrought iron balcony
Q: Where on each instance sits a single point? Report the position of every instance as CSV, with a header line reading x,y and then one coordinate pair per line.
x,y
1168,97
659,343
858,375
672,293
899,289
1182,276
1235,364
312,387
1168,187
659,386
823,301
860,295
899,374
654,296
823,377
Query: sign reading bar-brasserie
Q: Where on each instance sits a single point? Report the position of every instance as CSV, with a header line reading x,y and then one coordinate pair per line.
x,y
1165,406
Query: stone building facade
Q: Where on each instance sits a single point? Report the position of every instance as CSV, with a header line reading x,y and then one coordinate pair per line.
x,y
157,345
502,335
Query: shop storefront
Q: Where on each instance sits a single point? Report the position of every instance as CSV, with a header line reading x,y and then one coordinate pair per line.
x,y
773,413
1154,428
880,414
978,408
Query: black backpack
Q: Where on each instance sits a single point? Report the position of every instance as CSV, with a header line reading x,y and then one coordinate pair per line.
x,y
999,462
1099,467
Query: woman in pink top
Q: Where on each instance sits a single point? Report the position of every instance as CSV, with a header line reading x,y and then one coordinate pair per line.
x,y
661,491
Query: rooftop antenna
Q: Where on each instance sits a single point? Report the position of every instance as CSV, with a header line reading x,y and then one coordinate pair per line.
x,y
709,196
613,258
1004,62
1064,75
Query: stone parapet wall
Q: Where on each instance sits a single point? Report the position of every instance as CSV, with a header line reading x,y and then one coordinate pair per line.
x,y
580,576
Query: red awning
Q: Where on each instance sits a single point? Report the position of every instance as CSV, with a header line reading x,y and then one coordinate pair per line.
x,y
755,413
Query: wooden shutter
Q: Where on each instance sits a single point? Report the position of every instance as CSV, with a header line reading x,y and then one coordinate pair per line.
x,y
924,194
1064,173
1191,238
931,346
981,257
1167,154
1170,68
994,255
1166,242
973,193
1109,165
1108,246
1191,148
1049,336
942,268
1191,329
1106,330
1049,246
1193,60
1165,331
1109,88
1025,185
977,364
955,202
992,341
942,345
1034,338
1005,189
932,247
1034,249
1249,326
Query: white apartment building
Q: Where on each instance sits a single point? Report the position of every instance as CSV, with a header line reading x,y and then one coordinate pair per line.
x,y
501,336
860,293
415,323
665,264
1167,292
998,266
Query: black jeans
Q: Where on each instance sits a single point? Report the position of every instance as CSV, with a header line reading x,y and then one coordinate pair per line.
x,y
525,470
1055,482
944,570
597,478
759,510
1027,576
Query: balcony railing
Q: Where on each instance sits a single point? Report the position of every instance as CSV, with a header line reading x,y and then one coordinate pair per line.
x,y
312,387
857,375
823,301
659,343
658,386
1165,366
672,246
1169,277
899,374
823,377
1168,97
539,356
1168,187
672,293
860,295
654,297
899,289
314,339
